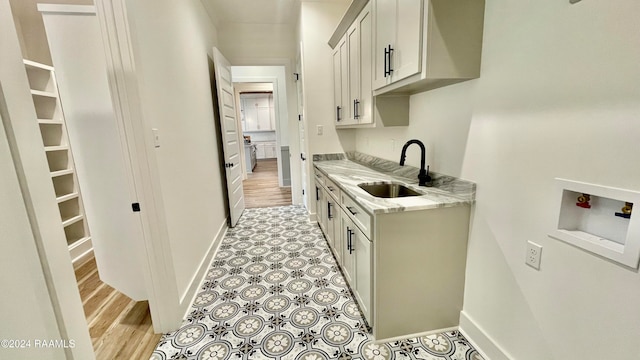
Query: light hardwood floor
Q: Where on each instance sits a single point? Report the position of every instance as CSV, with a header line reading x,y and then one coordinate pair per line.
x,y
261,188
120,328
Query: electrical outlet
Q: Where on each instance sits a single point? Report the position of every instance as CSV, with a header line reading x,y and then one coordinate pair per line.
x,y
534,253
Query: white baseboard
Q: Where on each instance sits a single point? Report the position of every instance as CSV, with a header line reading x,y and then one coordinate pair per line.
x,y
81,250
198,278
416,335
480,340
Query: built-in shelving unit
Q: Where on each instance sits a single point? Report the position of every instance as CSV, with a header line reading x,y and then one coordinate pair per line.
x,y
46,100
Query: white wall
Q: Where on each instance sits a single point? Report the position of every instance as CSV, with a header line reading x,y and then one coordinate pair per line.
x,y
558,97
171,50
261,136
318,21
251,44
31,32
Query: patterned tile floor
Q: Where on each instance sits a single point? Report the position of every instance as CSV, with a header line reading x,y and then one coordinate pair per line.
x,y
274,291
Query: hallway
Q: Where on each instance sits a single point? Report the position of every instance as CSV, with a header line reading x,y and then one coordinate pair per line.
x,y
274,291
261,188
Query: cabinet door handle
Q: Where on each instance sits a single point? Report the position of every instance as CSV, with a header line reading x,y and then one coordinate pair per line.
x,y
386,51
387,61
349,239
353,212
350,242
356,104
317,194
329,210
390,51
338,118
330,188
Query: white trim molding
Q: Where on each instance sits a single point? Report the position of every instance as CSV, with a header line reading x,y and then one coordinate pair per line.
x,y
480,340
200,276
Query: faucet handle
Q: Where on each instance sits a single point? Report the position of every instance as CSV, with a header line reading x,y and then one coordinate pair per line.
x,y
423,177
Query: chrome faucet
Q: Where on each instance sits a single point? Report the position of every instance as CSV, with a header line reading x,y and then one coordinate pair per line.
x,y
423,175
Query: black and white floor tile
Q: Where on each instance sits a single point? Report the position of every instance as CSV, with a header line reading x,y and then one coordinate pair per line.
x,y
274,291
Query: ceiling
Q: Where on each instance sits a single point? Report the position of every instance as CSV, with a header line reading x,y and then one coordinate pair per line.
x,y
253,11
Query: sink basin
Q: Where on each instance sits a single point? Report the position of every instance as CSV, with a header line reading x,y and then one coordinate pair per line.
x,y
388,190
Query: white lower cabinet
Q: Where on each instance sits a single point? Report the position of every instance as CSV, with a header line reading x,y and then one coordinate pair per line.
x,y
361,248
333,227
266,150
406,269
356,264
320,213
348,260
351,247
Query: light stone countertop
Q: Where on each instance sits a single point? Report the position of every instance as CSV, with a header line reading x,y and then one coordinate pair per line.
x,y
349,170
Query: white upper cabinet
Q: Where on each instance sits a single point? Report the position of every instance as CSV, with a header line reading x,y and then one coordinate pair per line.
x,y
340,87
359,43
352,73
257,112
398,45
421,45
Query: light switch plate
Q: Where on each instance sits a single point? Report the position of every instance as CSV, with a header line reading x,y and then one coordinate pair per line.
x,y
156,137
319,129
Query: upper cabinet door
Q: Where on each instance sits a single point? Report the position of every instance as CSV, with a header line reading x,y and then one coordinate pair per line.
x,y
356,108
365,107
385,23
398,40
264,118
353,46
337,85
344,80
405,58
250,117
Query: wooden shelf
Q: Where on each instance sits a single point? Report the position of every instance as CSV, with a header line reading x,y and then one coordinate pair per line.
x,y
75,232
37,65
61,172
43,93
73,220
56,148
49,122
67,197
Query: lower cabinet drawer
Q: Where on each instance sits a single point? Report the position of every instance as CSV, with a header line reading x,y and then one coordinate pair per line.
x,y
361,218
319,176
332,189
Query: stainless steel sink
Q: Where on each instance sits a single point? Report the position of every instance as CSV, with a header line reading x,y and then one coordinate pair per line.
x,y
388,190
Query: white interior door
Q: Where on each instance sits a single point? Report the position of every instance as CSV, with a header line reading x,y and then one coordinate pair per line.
x,y
100,152
229,125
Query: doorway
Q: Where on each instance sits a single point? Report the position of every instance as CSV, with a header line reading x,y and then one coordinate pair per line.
x,y
263,183
92,183
263,115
